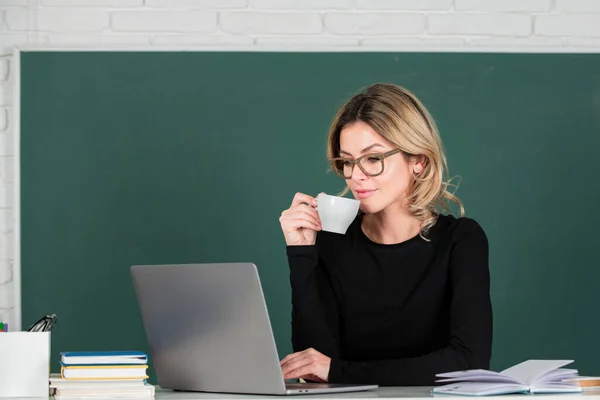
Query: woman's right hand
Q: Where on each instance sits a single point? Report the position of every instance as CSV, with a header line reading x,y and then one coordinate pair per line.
x,y
301,221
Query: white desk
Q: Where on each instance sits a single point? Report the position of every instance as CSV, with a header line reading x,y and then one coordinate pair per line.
x,y
416,393
405,393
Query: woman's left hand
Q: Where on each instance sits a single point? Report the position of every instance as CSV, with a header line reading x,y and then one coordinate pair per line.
x,y
307,364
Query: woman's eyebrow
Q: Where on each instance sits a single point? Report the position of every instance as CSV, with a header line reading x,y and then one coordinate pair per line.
x,y
365,149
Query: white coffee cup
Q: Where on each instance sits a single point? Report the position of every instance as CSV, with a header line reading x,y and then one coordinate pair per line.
x,y
336,213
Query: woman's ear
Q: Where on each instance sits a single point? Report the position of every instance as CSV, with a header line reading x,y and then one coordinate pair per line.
x,y
418,165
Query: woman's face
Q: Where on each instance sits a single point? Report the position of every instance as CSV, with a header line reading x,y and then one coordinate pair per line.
x,y
376,193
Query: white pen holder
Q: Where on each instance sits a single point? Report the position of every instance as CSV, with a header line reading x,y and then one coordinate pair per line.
x,y
24,364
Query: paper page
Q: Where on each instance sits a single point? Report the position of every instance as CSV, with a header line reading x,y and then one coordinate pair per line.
x,y
557,388
558,375
587,378
468,373
479,389
480,375
529,371
109,360
479,378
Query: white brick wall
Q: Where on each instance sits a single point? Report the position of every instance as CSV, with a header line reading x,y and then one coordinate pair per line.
x,y
164,21
368,23
404,5
57,19
524,6
578,6
579,25
92,3
478,25
198,4
497,24
270,5
258,22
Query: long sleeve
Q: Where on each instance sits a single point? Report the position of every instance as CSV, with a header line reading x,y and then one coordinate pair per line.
x,y
314,308
470,336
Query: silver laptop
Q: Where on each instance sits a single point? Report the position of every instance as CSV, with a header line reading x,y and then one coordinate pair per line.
x,y
208,330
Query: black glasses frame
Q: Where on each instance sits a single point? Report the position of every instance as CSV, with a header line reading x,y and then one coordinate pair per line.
x,y
380,156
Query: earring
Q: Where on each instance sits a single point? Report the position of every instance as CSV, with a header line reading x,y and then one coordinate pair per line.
x,y
417,170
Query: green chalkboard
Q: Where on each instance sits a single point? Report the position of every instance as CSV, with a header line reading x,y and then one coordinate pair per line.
x,y
189,157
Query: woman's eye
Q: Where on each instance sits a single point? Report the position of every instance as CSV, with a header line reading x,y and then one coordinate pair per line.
x,y
347,163
373,159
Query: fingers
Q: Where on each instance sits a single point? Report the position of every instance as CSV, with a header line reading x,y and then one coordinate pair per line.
x,y
286,359
303,371
294,365
297,360
290,224
303,212
301,217
309,364
289,358
300,198
292,359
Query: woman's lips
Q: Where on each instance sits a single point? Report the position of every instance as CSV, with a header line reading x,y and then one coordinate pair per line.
x,y
364,194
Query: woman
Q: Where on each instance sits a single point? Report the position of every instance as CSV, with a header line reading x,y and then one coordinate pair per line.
x,y
404,294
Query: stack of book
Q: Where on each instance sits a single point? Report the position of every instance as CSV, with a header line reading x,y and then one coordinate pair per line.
x,y
587,382
105,374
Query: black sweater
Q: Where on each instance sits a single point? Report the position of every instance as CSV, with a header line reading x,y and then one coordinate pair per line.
x,y
394,314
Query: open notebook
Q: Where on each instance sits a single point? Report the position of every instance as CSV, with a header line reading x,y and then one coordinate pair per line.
x,y
532,376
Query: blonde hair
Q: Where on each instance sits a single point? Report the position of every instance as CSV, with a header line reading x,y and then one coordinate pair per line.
x,y
398,116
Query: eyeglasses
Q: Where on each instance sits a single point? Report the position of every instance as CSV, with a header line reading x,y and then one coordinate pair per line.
x,y
369,164
44,324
